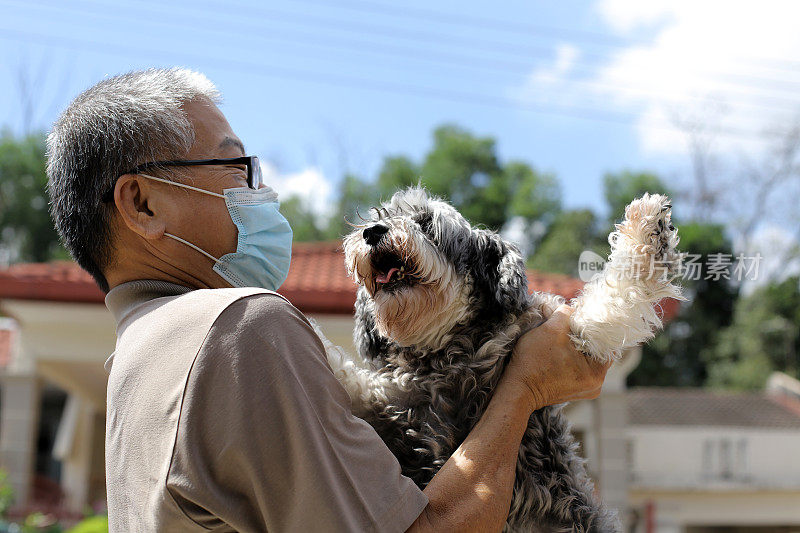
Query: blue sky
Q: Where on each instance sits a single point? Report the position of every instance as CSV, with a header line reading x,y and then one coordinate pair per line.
x,y
578,88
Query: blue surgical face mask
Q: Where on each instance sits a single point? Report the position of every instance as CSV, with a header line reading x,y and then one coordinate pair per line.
x,y
264,247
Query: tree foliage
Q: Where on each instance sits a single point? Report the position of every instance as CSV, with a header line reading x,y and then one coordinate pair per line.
x,y
304,222
467,170
461,167
679,356
355,199
571,233
27,231
619,189
763,337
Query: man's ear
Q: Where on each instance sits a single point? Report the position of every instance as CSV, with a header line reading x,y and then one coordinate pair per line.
x,y
134,202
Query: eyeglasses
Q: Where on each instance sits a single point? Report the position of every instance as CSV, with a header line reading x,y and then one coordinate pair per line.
x,y
254,176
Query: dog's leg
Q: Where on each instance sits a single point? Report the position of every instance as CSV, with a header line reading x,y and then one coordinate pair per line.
x,y
616,309
552,492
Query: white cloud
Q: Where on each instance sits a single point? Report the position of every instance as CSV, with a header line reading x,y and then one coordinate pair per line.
x,y
742,57
624,15
309,184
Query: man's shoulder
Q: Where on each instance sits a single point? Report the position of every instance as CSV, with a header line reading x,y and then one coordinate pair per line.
x,y
200,314
251,307
218,304
230,295
258,322
260,338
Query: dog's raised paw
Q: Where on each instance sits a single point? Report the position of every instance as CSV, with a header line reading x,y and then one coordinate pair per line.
x,y
646,236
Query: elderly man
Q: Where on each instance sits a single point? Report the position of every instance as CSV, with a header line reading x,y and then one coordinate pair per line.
x,y
223,413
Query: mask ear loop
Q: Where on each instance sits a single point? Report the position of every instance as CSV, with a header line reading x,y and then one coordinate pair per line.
x,y
170,235
187,243
162,180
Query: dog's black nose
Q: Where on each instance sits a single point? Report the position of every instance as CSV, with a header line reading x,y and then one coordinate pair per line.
x,y
373,234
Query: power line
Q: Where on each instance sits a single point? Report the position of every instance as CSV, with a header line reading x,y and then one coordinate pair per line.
x,y
292,73
404,32
309,20
506,26
471,60
472,22
766,102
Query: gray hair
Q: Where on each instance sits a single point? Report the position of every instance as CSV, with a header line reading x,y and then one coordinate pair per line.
x,y
109,129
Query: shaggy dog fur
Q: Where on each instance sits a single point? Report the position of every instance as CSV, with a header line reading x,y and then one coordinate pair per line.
x,y
439,308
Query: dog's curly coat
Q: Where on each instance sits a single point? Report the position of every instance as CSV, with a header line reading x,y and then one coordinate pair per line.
x,y
440,306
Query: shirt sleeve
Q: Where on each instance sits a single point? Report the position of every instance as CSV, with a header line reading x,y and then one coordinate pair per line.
x,y
266,439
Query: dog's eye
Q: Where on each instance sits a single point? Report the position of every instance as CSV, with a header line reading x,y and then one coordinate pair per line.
x,y
425,221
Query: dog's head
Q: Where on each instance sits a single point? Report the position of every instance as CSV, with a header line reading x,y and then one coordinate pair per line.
x,y
426,270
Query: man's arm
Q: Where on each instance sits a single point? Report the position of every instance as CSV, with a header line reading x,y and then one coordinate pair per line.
x,y
266,439
472,491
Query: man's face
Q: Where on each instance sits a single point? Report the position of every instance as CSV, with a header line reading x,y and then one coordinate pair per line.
x,y
199,218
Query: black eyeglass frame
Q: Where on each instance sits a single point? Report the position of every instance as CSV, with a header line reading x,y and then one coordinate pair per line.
x,y
254,176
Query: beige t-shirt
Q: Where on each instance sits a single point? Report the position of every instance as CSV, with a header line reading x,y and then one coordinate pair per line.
x,y
223,415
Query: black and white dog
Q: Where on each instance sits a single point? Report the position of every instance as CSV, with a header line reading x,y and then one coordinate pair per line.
x,y
439,308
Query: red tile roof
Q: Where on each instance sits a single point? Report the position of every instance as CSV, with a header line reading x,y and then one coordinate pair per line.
x,y
317,282
59,281
704,408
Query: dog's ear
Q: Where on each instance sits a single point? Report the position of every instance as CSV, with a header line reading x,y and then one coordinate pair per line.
x,y
498,272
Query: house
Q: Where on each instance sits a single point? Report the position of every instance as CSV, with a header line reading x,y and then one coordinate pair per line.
x,y
52,381
702,461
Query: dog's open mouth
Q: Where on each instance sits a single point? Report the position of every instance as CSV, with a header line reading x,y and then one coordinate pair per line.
x,y
390,272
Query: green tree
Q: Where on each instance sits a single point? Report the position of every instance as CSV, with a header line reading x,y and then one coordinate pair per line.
x,y
356,196
679,355
26,228
764,337
466,170
397,172
571,233
6,494
621,188
304,223
535,196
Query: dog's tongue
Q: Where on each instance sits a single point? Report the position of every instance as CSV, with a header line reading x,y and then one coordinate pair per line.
x,y
386,278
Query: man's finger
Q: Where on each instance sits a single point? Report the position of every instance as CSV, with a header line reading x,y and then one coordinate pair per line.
x,y
565,309
561,314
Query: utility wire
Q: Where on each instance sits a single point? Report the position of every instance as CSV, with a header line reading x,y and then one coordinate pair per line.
x,y
307,39
351,82
471,59
520,28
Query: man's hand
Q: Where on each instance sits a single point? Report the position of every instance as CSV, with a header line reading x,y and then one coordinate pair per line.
x,y
549,369
472,491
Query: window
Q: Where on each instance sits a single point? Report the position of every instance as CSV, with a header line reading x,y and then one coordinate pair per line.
x,y
724,459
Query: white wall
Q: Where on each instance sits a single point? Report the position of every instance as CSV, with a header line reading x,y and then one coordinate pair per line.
x,y
338,329
718,457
